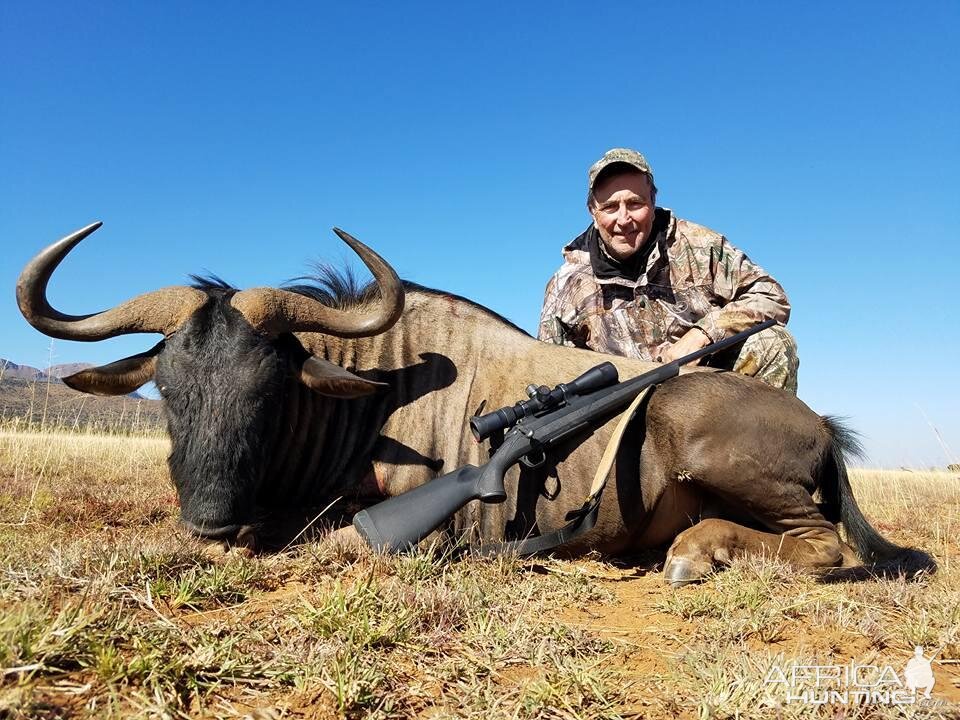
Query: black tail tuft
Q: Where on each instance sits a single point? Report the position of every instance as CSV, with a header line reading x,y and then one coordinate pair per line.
x,y
883,557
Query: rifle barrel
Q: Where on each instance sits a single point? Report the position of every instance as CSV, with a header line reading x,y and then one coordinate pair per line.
x,y
725,343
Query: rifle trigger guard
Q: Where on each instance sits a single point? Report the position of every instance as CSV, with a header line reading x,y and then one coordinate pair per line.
x,y
533,464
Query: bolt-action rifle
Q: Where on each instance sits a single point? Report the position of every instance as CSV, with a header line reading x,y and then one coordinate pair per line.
x,y
531,428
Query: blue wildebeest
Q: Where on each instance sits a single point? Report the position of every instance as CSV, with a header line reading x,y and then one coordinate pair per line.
x,y
282,398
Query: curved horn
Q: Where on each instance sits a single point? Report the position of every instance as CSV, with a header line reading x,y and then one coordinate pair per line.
x,y
161,311
276,311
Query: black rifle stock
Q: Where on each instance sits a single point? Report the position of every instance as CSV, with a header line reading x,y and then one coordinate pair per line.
x,y
399,523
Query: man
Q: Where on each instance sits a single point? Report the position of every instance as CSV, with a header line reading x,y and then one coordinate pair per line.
x,y
644,283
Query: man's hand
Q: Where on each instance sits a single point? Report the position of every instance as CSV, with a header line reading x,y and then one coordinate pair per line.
x,y
691,341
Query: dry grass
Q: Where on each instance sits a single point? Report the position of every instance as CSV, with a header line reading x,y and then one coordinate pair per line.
x,y
106,611
48,477
48,405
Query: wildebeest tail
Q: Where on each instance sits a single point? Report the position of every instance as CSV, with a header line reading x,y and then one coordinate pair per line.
x,y
882,556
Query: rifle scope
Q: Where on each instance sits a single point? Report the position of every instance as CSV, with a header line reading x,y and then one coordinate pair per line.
x,y
543,398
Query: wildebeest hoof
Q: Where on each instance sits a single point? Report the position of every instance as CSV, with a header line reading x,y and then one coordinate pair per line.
x,y
680,571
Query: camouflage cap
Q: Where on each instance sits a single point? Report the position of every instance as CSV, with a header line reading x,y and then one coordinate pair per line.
x,y
614,156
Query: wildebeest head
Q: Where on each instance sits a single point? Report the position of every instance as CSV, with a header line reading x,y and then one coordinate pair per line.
x,y
220,368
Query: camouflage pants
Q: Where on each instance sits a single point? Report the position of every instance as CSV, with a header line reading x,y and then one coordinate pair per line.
x,y
770,356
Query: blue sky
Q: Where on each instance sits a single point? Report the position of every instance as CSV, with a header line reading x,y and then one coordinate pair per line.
x,y
822,139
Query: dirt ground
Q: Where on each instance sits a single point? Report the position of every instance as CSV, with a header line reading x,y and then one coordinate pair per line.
x,y
658,638
107,611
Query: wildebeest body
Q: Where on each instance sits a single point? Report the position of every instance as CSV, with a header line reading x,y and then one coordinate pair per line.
x,y
704,428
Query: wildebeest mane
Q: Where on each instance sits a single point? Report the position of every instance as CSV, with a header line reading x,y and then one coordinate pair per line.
x,y
341,289
210,282
336,288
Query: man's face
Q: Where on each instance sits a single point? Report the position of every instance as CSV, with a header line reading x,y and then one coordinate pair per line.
x,y
622,211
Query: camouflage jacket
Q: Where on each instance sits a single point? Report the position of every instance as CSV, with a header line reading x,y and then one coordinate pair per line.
x,y
692,276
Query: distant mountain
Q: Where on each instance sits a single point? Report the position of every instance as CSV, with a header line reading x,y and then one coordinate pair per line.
x,y
58,372
34,396
8,368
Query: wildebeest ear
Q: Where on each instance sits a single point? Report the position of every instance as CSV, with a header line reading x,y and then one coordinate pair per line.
x,y
328,378
118,378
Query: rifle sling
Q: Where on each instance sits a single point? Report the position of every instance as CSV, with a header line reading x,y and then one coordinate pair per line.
x,y
584,518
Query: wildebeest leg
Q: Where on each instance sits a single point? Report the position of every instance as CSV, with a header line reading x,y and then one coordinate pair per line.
x,y
762,466
714,542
